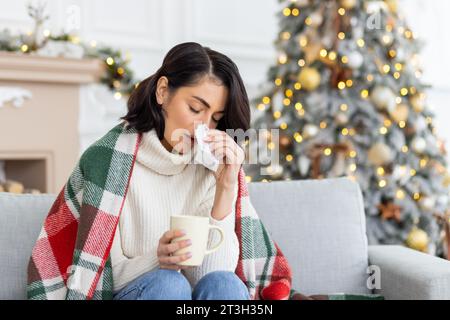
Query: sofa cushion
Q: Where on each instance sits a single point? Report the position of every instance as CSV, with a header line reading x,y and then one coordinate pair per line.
x,y
21,219
319,225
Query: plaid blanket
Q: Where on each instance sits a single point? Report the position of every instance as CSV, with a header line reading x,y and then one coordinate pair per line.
x,y
71,260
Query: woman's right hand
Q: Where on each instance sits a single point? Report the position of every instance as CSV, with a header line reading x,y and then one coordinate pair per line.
x,y
166,249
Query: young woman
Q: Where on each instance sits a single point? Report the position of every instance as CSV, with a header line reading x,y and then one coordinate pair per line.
x,y
194,85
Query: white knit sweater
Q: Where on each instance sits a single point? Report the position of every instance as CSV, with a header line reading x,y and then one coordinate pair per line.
x,y
164,184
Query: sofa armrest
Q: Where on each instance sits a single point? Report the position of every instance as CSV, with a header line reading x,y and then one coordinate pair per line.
x,y
408,274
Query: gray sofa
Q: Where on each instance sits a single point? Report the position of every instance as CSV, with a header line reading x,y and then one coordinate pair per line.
x,y
318,224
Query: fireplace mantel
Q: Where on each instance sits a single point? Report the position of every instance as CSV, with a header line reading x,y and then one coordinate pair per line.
x,y
39,137
32,68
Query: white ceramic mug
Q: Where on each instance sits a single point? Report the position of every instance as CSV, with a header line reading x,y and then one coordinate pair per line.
x,y
197,229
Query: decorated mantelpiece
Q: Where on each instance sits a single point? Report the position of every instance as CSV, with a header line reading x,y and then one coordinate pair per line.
x,y
39,105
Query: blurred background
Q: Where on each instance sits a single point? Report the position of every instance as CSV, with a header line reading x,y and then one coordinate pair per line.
x,y
354,88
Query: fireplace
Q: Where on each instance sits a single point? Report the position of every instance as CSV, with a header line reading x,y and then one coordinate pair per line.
x,y
39,106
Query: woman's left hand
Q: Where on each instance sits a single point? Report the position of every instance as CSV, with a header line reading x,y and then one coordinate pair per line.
x,y
230,155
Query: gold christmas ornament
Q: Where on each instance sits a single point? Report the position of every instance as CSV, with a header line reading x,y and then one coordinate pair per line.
x,y
309,78
392,5
379,154
400,113
418,103
348,4
417,239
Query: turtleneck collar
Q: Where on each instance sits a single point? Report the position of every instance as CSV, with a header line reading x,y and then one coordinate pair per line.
x,y
153,155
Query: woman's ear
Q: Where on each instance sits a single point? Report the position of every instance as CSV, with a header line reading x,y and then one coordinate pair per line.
x,y
162,87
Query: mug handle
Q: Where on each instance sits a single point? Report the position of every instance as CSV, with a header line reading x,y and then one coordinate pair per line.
x,y
208,251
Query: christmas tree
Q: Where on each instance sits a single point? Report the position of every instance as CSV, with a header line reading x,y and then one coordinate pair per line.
x,y
347,99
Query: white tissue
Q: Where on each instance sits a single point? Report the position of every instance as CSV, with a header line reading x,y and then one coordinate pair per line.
x,y
204,155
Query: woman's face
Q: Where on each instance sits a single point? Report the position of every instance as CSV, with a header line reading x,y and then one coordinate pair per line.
x,y
188,107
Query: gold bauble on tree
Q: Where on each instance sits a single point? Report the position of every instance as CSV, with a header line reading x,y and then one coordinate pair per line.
x,y
392,5
417,102
309,78
400,113
379,154
348,4
417,239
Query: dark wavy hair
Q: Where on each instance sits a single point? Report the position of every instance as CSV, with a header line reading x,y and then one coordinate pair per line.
x,y
184,65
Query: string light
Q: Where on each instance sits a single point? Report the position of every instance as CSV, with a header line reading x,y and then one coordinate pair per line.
x,y
403,91
298,137
352,154
364,93
301,62
283,126
341,11
286,101
344,131
288,93
261,107
402,124
344,107
277,114
323,125
370,77
266,100
24,48
382,183
289,158
323,53
344,59
308,21
396,75
332,55
400,194
383,130
341,35
117,95
380,171
405,149
295,12
278,81
386,68
360,43
109,61
287,12
298,106
327,151
303,41
341,85
297,86
282,58
285,35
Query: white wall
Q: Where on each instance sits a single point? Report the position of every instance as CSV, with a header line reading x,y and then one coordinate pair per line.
x,y
428,19
244,30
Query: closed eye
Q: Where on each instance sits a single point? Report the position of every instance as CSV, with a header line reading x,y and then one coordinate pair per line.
x,y
193,110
